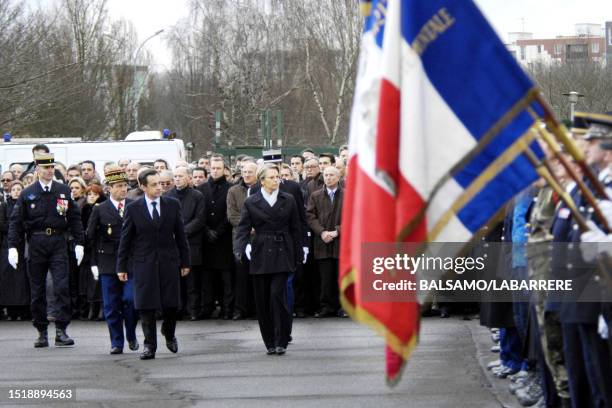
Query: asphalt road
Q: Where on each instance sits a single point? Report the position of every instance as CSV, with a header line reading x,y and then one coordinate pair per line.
x,y
331,363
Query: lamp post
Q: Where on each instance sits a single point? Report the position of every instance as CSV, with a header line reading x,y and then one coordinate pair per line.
x,y
573,97
138,90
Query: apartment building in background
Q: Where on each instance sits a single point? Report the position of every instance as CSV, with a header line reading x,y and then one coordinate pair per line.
x,y
591,42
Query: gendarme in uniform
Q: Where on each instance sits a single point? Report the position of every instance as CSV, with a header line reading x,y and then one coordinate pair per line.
x,y
46,214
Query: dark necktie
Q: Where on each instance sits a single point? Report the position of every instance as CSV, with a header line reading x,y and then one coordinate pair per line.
x,y
155,212
46,189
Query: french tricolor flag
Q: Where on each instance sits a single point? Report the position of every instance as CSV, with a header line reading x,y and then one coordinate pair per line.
x,y
441,119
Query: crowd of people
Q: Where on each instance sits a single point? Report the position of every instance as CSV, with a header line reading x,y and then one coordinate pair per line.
x,y
262,240
212,192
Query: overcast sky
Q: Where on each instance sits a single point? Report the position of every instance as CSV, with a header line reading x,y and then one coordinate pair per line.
x,y
545,18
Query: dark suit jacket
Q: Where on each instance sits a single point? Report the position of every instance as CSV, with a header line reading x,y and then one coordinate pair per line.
x,y
218,252
157,251
194,218
276,244
103,235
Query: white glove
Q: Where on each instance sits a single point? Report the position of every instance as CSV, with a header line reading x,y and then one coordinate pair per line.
x,y
13,257
78,253
590,240
94,272
602,327
606,209
247,251
306,250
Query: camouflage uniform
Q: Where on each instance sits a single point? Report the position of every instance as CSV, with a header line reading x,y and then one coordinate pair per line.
x,y
551,338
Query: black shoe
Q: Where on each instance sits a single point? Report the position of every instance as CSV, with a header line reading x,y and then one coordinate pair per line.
x,y
325,313
238,316
172,344
193,318
227,316
299,314
133,345
42,340
271,350
290,339
342,314
147,354
116,350
62,339
280,350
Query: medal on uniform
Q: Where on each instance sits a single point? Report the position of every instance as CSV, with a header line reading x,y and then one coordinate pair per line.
x,y
109,231
32,206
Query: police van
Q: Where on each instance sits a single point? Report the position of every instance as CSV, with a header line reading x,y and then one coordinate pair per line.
x,y
144,147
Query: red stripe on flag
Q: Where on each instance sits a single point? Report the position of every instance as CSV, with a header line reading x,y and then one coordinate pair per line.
x,y
388,130
369,215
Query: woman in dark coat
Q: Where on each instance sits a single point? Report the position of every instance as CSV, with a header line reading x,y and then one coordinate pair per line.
x,y
78,283
14,285
94,196
269,235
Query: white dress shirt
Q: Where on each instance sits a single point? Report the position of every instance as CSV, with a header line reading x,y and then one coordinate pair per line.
x,y
43,185
150,207
116,204
270,198
330,191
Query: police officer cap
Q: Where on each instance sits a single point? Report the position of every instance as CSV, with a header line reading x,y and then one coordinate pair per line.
x,y
45,159
599,125
579,125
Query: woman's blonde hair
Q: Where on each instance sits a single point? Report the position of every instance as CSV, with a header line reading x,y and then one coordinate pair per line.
x,y
261,173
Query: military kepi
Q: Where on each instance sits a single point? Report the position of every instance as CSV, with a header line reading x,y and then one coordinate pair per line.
x,y
599,124
45,159
115,175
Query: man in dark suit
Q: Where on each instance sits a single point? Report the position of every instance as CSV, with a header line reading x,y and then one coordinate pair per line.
x,y
194,218
153,239
323,213
218,262
103,234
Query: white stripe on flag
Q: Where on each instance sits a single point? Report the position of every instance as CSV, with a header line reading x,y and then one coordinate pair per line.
x,y
433,139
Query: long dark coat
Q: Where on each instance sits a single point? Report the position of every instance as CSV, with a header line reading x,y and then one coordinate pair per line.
x,y
87,284
103,235
293,188
276,243
14,284
322,215
492,313
158,253
218,252
194,218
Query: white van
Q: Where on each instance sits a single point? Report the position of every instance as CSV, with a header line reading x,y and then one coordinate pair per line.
x,y
100,152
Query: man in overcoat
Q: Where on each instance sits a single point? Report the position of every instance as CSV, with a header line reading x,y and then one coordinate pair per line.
x,y
153,238
194,219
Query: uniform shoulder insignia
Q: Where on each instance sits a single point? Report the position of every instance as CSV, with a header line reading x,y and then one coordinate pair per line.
x,y
31,196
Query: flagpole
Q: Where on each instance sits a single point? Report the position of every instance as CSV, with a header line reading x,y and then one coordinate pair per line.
x,y
543,168
561,134
584,190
